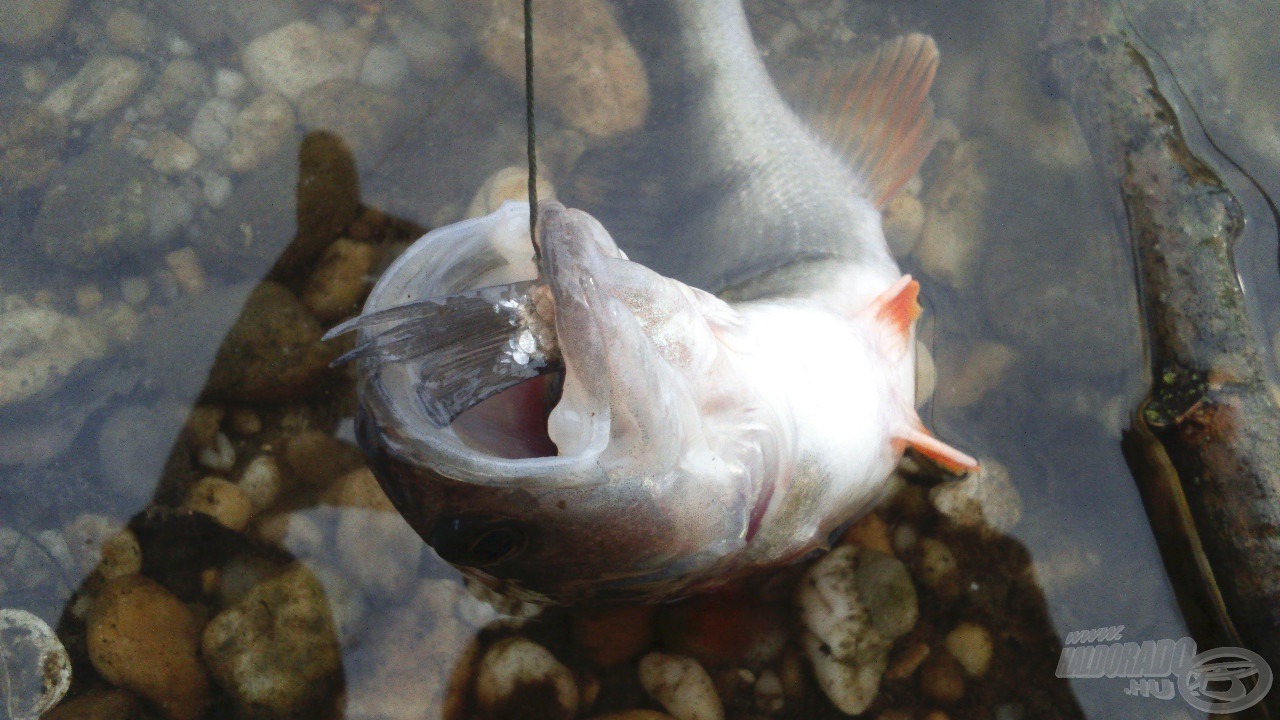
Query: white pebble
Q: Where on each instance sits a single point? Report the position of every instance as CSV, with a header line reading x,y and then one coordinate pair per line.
x,y
35,670
850,684
986,496
219,456
681,686
301,55
85,537
262,481
228,83
515,672
217,189
211,128
179,46
769,695
385,67
102,86
937,562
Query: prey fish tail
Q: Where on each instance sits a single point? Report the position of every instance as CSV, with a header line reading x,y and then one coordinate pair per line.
x,y
1206,442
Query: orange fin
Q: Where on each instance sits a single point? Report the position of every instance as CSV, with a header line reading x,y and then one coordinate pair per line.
x,y
945,456
874,112
899,306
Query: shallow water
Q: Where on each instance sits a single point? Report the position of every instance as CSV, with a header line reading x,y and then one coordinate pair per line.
x,y
140,206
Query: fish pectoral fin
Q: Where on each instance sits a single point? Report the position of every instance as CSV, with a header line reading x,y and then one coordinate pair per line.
x,y
898,307
941,454
875,111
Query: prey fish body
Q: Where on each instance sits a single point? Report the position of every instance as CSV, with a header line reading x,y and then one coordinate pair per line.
x,y
689,440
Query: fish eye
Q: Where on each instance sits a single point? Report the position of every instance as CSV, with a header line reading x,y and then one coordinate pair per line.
x,y
477,541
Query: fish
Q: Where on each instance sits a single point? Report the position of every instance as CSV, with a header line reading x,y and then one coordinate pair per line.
x,y
584,418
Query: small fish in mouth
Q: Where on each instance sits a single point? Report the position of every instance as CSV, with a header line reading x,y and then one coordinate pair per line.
x,y
581,426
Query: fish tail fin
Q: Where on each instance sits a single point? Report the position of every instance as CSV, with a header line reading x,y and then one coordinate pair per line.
x,y
875,112
941,454
470,345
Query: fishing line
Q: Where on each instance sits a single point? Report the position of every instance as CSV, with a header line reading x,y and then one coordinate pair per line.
x,y
530,135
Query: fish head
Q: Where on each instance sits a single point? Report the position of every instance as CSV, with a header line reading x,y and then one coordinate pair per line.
x,y
645,475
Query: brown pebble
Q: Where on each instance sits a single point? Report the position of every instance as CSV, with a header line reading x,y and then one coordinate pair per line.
x,y
142,638
338,283
97,704
941,679
222,500
611,636
936,715
244,421
317,458
594,77
728,628
906,661
633,715
870,532
972,646
358,489
792,669
203,424
938,566
588,689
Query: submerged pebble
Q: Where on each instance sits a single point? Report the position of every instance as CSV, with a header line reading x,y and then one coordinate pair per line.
x,y
520,678
142,638
971,645
854,603
211,128
222,500
39,349
261,130
29,25
97,704
367,120
592,75
35,670
170,154
385,67
261,482
953,232
276,651
984,497
982,369
610,636
273,352
301,55
681,686
509,183
32,139
340,280
101,87
98,211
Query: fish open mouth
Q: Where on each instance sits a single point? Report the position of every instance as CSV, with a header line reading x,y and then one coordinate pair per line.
x,y
461,333
483,363
472,350
513,423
